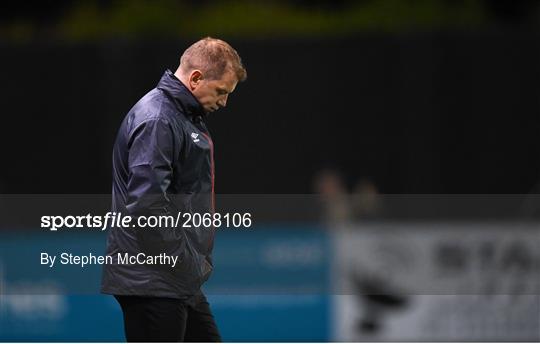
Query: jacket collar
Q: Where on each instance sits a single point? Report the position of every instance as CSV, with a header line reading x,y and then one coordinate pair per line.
x,y
171,85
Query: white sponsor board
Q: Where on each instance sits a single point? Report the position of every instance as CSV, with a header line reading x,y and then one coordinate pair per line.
x,y
437,281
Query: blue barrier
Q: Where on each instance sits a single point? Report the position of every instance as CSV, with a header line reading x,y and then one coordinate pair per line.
x,y
268,285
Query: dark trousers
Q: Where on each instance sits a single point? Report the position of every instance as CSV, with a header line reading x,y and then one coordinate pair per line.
x,y
158,319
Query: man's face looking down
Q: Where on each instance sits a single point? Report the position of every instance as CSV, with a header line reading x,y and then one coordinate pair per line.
x,y
212,94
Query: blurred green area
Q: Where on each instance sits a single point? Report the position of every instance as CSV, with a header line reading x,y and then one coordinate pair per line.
x,y
89,20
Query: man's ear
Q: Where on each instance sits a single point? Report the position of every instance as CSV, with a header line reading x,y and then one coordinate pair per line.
x,y
195,78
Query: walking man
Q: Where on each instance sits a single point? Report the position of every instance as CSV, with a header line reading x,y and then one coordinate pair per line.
x,y
163,164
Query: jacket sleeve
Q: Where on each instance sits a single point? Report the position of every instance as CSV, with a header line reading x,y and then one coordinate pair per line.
x,y
151,147
150,160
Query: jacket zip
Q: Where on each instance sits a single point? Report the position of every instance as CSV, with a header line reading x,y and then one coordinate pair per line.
x,y
212,170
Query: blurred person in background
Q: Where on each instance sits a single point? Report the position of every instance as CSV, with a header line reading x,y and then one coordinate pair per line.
x,y
333,197
163,164
365,202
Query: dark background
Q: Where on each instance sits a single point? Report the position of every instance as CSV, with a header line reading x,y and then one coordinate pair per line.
x,y
416,111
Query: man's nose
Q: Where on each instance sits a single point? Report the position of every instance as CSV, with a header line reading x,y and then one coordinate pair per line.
x,y
223,102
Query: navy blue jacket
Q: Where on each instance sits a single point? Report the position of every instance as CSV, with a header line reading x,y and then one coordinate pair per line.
x,y
162,164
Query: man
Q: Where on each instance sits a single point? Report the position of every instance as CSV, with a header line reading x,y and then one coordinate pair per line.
x,y
163,164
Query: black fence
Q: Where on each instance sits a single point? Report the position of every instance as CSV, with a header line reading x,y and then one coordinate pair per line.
x,y
422,113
